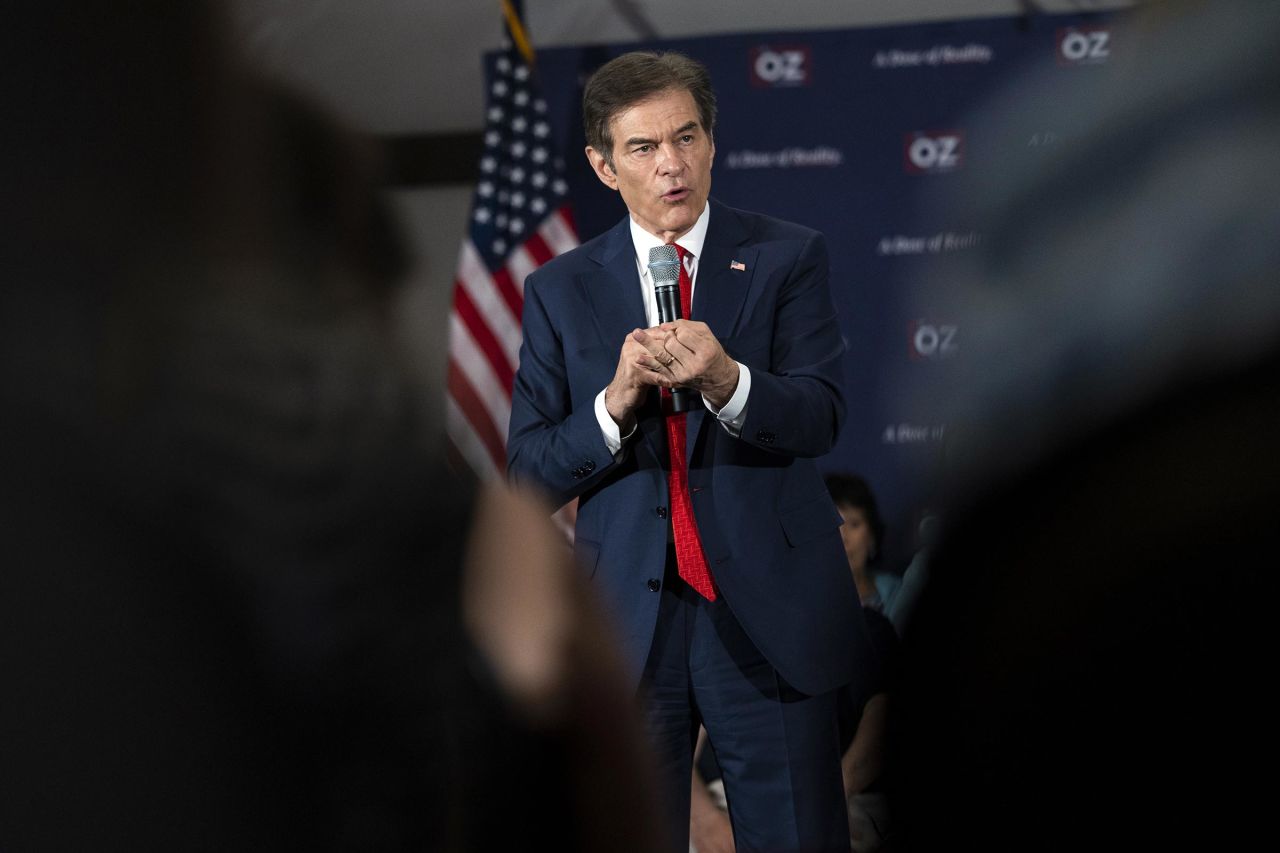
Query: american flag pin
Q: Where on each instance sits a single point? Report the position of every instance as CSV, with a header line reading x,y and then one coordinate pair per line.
x,y
737,265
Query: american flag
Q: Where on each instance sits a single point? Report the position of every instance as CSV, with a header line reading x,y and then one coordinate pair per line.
x,y
520,219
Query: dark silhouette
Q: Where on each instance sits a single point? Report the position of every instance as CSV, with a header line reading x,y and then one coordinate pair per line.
x,y
243,605
1086,667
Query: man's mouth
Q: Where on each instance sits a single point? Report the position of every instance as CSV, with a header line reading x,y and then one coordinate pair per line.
x,y
676,194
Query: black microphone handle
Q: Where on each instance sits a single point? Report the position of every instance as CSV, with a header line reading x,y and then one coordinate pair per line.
x,y
668,297
681,400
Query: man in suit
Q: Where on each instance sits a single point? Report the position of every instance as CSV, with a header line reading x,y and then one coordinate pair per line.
x,y
711,536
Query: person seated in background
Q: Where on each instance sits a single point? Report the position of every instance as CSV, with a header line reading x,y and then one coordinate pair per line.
x,y
245,606
864,707
862,533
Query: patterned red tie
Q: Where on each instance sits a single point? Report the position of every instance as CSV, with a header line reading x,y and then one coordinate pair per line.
x,y
690,559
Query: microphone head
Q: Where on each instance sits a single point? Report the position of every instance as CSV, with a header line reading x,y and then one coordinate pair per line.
x,y
664,265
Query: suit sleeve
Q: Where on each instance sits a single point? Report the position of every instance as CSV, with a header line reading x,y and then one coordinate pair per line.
x,y
554,443
797,407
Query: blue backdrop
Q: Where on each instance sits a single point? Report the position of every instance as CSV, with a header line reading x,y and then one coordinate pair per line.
x,y
856,133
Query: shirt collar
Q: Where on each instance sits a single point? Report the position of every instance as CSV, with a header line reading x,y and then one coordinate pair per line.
x,y
691,242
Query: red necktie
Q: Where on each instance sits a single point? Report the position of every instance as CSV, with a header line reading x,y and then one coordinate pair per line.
x,y
690,559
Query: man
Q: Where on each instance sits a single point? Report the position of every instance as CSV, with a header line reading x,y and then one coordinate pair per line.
x,y
756,622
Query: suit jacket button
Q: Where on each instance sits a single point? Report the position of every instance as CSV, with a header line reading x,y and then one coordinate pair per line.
x,y
765,437
577,473
654,585
589,466
661,511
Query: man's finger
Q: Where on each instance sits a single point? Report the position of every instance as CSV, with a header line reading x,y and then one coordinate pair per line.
x,y
675,344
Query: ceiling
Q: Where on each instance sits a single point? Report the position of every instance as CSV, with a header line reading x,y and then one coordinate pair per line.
x,y
412,67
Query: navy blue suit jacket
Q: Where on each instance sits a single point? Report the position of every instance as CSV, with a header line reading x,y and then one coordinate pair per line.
x,y
768,525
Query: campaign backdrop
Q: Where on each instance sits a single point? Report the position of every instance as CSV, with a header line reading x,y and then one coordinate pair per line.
x,y
856,133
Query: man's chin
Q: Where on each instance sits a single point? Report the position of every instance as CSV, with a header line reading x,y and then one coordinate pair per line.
x,y
680,215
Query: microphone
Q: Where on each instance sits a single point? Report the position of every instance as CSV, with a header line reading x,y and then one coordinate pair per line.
x,y
664,267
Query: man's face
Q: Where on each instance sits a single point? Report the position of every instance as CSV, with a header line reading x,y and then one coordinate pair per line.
x,y
661,163
856,534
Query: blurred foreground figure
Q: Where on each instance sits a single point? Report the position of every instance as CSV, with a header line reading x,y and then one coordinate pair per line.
x,y
1088,667
242,607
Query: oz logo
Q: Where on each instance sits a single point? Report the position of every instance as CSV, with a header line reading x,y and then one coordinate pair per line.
x,y
1087,46
930,152
928,340
780,66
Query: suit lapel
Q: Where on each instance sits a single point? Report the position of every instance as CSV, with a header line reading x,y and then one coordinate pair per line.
x,y
613,292
721,288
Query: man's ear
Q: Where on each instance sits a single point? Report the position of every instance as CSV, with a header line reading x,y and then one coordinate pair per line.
x,y
602,169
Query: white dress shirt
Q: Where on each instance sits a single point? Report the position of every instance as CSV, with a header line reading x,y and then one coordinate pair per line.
x,y
734,412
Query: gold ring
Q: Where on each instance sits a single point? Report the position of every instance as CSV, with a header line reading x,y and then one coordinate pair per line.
x,y
670,358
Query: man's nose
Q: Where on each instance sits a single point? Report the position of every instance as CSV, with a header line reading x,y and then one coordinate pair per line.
x,y
669,163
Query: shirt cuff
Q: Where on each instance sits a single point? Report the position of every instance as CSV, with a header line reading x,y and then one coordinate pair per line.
x,y
613,438
734,413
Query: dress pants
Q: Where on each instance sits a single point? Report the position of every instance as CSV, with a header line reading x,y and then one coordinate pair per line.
x,y
778,749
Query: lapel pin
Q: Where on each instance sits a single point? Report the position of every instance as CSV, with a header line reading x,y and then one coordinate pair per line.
x,y
737,265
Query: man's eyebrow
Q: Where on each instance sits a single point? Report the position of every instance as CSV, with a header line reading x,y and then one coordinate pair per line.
x,y
642,140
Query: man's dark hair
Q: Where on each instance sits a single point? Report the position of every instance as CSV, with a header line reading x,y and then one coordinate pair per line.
x,y
852,490
633,77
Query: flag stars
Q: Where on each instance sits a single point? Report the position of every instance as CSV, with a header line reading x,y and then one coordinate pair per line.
x,y
513,194
521,178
